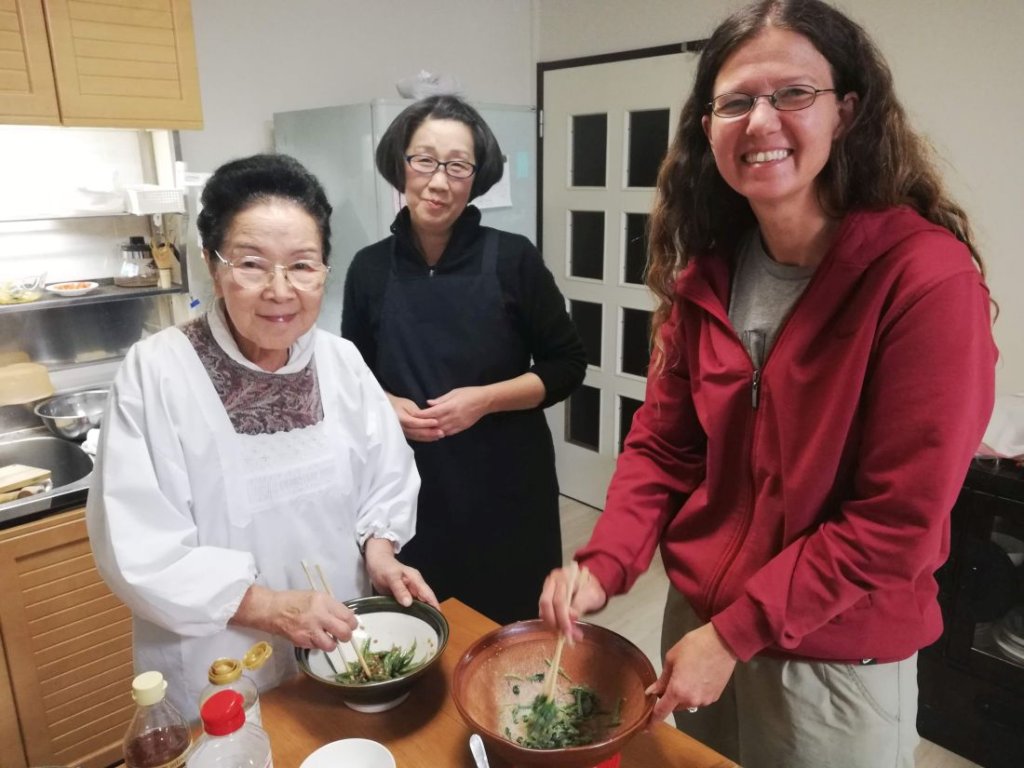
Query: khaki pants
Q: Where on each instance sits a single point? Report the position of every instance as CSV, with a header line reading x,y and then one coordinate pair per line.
x,y
802,714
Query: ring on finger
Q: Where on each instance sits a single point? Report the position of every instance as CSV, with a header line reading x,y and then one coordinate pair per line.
x,y
691,710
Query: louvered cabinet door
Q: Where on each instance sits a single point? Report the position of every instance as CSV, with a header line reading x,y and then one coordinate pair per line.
x,y
27,93
125,63
67,641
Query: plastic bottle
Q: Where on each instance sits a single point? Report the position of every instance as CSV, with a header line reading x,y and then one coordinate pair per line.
x,y
229,674
158,736
228,741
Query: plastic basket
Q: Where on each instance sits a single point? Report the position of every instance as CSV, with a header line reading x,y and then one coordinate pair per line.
x,y
145,199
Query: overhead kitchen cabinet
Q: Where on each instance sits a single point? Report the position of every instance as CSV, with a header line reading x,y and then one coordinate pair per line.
x,y
65,650
126,63
27,92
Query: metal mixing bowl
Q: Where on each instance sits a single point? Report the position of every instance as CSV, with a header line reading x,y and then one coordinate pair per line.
x,y
71,416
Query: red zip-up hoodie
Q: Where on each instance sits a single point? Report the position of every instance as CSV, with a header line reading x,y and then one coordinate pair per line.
x,y
804,507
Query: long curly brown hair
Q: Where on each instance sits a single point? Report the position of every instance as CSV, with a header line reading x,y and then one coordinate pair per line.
x,y
878,163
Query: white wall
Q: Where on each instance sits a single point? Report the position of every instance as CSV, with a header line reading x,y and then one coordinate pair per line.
x,y
958,70
266,56
951,59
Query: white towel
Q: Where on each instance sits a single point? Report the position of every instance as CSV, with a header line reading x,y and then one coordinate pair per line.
x,y
91,442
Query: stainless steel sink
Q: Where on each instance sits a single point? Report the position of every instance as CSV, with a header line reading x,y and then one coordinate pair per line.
x,y
69,464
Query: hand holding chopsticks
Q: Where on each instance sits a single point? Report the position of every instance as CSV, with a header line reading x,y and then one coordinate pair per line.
x,y
335,657
551,676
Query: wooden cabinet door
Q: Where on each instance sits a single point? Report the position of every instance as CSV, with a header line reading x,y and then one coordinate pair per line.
x,y
67,640
125,63
12,751
27,93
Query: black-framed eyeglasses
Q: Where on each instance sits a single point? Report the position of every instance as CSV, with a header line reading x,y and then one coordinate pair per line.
x,y
789,98
257,272
427,165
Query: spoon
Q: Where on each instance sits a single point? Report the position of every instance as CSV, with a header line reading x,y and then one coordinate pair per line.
x,y
476,746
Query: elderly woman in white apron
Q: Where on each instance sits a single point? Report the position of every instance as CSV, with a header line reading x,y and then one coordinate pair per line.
x,y
247,441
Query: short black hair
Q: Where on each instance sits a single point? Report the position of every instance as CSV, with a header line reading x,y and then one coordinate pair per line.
x,y
239,184
391,151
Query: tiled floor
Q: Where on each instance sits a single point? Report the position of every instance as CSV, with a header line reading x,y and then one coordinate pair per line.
x,y
637,615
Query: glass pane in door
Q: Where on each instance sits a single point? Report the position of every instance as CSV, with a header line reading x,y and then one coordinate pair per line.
x,y
635,350
635,249
589,150
648,140
586,244
627,409
587,316
583,418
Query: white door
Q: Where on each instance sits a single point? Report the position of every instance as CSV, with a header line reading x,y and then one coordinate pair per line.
x,y
606,129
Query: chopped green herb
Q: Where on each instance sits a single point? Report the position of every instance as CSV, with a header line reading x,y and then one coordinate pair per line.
x,y
383,665
552,724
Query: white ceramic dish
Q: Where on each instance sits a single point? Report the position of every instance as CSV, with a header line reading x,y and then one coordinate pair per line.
x,y
352,753
74,288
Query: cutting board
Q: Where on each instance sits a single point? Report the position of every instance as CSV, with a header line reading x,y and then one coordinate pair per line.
x,y
15,476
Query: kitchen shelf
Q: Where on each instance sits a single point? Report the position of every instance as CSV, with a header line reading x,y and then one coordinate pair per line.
x,y
57,216
106,292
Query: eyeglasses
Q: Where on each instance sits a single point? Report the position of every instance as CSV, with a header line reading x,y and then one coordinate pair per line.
x,y
790,98
427,165
257,272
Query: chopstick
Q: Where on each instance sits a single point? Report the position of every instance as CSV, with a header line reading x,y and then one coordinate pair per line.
x,y
551,676
338,658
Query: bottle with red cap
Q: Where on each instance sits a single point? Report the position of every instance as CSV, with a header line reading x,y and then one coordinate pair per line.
x,y
228,740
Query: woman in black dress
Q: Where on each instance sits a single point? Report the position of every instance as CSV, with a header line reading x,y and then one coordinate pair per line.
x,y
468,334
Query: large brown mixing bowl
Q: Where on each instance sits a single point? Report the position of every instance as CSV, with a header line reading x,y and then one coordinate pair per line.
x,y
604,661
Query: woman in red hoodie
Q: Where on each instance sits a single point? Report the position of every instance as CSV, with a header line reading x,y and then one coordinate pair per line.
x,y
823,373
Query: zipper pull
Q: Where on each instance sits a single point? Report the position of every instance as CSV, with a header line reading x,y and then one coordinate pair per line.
x,y
430,272
754,341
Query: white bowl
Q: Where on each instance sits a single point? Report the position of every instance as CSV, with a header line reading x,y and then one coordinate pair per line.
x,y
351,753
73,288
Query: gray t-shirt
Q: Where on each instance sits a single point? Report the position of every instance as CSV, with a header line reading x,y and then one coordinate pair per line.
x,y
763,292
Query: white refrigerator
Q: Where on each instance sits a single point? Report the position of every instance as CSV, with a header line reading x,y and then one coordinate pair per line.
x,y
337,144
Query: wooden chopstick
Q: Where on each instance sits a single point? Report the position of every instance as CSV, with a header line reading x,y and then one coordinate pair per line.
x,y
551,677
352,642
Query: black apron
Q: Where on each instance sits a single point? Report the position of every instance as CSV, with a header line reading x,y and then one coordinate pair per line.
x,y
487,528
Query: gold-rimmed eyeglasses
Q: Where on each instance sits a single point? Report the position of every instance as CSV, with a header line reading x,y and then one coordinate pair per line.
x,y
789,98
258,272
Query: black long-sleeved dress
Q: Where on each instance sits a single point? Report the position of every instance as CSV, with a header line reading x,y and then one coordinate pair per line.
x,y
487,529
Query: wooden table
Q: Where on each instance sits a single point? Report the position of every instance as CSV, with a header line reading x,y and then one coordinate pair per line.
x,y
426,731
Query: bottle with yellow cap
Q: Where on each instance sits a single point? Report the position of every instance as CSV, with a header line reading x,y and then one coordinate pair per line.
x,y
158,736
229,675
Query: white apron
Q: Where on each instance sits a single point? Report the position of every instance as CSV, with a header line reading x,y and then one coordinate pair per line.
x,y
181,495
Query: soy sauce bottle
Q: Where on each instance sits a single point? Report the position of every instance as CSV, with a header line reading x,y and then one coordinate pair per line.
x,y
158,736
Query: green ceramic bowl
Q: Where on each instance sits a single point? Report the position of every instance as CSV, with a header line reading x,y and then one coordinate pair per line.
x,y
387,623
